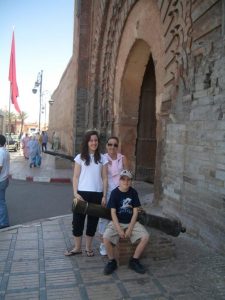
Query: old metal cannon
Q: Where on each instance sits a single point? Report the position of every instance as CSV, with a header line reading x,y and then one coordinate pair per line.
x,y
170,227
62,155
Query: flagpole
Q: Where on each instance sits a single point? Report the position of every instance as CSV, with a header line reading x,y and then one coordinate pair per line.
x,y
9,120
10,99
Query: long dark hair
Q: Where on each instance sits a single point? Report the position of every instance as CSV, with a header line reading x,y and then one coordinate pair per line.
x,y
85,151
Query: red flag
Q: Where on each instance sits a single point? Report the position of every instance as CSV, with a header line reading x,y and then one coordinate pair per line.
x,y
12,76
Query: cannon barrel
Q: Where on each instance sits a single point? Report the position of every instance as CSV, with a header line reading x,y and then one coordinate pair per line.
x,y
170,227
62,155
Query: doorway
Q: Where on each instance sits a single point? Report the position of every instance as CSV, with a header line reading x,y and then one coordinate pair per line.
x,y
146,128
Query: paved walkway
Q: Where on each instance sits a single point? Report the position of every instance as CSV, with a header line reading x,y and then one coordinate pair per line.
x,y
33,265
19,169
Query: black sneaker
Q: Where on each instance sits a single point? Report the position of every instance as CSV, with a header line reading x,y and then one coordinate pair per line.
x,y
135,265
110,267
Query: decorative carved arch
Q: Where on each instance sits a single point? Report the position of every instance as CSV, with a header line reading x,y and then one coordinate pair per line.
x,y
176,36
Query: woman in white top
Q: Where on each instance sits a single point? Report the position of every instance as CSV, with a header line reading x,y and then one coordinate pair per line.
x,y
89,183
116,163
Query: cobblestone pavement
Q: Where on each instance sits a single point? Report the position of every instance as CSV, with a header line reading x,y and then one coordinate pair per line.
x,y
33,266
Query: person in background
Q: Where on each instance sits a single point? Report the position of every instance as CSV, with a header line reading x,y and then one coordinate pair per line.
x,y
4,182
25,148
116,163
56,142
124,203
44,141
34,151
39,139
90,184
53,135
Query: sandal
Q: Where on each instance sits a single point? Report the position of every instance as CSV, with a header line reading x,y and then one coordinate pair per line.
x,y
89,253
72,252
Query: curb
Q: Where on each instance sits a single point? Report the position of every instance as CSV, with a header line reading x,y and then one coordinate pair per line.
x,y
34,223
40,179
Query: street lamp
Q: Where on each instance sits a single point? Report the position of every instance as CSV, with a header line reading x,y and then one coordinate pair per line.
x,y
38,83
51,101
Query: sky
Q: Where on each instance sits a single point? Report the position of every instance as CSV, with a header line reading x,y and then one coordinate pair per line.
x,y
43,32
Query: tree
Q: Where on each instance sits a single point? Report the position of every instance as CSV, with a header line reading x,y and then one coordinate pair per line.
x,y
9,117
22,117
11,121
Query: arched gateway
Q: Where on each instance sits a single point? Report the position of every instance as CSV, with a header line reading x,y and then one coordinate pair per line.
x,y
137,122
138,87
146,130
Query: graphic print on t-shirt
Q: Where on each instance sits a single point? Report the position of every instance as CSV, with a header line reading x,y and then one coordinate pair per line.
x,y
125,206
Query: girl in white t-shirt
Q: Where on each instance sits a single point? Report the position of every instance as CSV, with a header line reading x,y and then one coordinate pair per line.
x,y
89,183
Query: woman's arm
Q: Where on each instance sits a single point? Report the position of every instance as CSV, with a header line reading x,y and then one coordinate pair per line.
x,y
105,183
76,175
125,163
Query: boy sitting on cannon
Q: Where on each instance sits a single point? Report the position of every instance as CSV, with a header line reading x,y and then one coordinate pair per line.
x,y
124,203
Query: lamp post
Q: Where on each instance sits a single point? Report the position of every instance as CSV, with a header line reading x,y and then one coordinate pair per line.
x,y
38,83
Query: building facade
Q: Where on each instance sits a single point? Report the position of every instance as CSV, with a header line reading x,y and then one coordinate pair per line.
x,y
152,72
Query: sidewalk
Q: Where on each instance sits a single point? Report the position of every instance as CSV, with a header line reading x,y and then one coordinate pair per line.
x,y
19,169
33,265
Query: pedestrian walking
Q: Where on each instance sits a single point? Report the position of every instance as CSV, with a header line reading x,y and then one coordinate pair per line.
x,y
124,203
116,163
56,142
4,182
90,184
25,148
44,140
34,152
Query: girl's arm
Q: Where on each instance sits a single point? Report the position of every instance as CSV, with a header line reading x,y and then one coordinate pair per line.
x,y
105,183
125,163
76,175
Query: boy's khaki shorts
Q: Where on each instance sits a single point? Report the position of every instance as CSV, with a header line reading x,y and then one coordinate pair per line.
x,y
112,235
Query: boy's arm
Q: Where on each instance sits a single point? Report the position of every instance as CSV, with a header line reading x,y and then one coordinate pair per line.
x,y
116,223
132,223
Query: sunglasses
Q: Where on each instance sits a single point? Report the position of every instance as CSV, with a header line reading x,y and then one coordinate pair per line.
x,y
125,178
112,145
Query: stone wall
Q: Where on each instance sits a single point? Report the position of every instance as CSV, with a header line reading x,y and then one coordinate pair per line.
x,y
68,113
194,165
61,112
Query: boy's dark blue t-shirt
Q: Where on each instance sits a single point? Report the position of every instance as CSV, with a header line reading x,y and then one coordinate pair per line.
x,y
124,202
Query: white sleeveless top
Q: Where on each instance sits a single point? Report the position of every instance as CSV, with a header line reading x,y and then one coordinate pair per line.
x,y
90,179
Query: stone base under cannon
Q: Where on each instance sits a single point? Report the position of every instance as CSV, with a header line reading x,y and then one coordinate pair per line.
x,y
160,247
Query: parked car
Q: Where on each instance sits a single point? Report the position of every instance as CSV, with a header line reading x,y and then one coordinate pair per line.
x,y
16,138
11,143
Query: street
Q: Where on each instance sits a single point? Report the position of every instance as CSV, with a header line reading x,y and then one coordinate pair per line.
x,y
29,201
